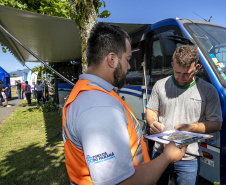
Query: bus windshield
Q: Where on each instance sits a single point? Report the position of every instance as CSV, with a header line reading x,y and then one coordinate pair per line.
x,y
213,41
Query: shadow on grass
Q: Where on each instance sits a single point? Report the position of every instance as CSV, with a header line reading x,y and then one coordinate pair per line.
x,y
34,165
38,163
13,98
53,127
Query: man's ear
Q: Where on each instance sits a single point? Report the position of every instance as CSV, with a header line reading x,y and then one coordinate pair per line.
x,y
197,67
172,64
111,60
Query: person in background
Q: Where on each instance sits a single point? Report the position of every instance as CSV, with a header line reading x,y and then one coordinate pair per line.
x,y
2,93
18,87
183,102
8,89
23,90
1,89
27,91
39,91
46,88
103,141
33,90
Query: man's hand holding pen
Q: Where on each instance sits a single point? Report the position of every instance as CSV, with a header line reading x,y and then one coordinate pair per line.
x,y
156,127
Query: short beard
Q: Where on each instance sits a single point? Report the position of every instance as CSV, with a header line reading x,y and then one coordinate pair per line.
x,y
187,83
118,73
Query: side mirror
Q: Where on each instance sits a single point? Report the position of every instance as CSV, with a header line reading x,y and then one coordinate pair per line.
x,y
168,42
168,46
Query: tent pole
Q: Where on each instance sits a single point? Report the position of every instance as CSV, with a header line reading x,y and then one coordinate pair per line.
x,y
44,63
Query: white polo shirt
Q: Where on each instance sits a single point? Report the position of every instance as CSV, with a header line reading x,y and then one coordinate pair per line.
x,y
39,87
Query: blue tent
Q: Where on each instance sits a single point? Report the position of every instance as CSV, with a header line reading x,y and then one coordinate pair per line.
x,y
5,77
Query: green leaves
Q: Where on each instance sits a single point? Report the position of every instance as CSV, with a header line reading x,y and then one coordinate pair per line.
x,y
104,14
60,8
48,107
3,48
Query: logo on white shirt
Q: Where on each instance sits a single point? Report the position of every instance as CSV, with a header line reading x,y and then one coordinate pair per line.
x,y
99,158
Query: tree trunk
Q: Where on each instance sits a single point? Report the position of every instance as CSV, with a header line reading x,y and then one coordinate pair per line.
x,y
42,72
87,19
56,96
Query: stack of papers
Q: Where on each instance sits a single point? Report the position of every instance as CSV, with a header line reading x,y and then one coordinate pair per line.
x,y
179,137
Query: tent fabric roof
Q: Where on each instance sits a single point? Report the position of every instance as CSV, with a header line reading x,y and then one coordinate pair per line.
x,y
52,39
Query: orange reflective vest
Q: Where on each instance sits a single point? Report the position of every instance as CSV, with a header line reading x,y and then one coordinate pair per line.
x,y
74,158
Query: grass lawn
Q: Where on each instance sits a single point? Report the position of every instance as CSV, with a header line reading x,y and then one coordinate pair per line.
x,y
31,150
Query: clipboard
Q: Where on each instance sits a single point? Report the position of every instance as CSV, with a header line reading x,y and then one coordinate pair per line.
x,y
180,138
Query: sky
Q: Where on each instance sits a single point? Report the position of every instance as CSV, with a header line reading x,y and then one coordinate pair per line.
x,y
146,12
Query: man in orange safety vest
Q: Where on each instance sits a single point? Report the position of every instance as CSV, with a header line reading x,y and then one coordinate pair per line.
x,y
103,140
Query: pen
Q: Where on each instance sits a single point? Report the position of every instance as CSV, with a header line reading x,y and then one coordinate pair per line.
x,y
157,122
154,118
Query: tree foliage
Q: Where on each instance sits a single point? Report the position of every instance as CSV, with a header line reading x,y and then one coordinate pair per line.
x,y
60,8
3,48
43,69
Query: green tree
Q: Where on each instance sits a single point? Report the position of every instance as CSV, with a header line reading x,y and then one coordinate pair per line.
x,y
43,69
37,69
58,8
87,12
13,75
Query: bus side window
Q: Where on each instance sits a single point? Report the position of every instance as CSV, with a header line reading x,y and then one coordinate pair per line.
x,y
160,66
135,76
156,63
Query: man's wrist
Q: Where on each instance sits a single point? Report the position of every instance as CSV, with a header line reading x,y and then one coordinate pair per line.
x,y
149,124
166,157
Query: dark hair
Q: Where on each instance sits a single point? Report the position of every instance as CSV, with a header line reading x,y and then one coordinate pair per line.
x,y
185,55
26,82
105,38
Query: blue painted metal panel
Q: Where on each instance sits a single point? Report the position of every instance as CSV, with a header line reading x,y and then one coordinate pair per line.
x,y
126,90
162,23
65,85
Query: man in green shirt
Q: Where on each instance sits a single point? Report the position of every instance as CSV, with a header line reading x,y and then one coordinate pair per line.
x,y
187,103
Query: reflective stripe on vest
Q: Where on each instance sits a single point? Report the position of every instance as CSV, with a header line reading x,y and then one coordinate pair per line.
x,y
74,158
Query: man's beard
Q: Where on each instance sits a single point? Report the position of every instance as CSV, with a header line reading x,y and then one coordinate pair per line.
x,y
185,84
119,76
